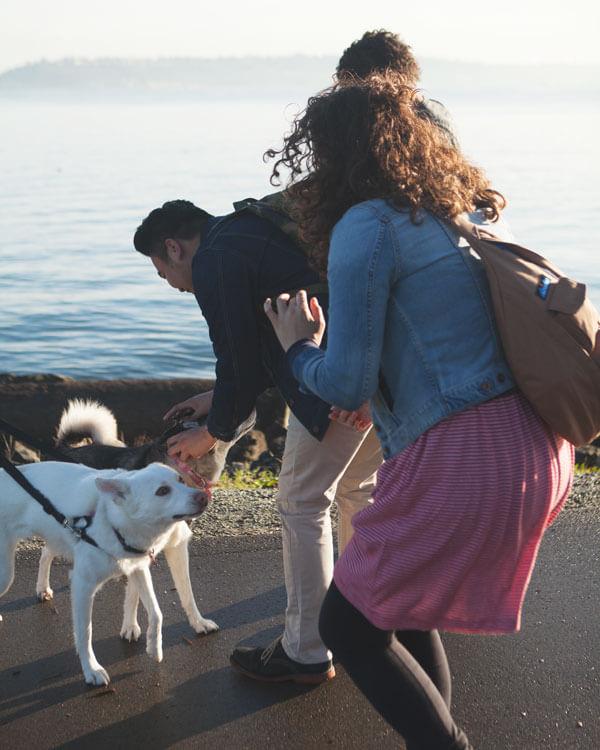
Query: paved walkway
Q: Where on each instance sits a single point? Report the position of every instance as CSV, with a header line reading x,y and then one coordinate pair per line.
x,y
536,690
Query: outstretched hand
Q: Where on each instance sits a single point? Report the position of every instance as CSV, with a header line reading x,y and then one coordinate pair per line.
x,y
192,408
193,443
296,318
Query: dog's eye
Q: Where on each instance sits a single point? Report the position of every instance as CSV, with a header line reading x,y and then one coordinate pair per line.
x,y
162,491
180,480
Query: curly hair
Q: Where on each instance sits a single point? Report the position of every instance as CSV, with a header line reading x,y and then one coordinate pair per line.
x,y
376,52
364,139
178,219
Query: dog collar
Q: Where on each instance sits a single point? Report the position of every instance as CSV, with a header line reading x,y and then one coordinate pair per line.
x,y
133,550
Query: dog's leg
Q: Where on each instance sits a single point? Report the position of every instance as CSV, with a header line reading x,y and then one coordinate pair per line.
x,y
83,590
143,581
8,547
179,563
130,629
42,588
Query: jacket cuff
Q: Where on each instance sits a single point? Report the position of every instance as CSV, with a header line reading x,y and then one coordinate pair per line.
x,y
297,355
217,432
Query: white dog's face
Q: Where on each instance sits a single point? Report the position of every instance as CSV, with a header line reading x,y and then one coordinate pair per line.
x,y
154,494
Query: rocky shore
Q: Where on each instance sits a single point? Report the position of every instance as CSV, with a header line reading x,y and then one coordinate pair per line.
x,y
34,403
253,512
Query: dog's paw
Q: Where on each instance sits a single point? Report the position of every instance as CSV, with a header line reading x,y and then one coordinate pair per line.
x,y
154,651
203,626
46,595
96,677
130,631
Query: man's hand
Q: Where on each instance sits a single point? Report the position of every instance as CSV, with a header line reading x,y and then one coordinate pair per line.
x,y
296,319
197,406
192,443
360,419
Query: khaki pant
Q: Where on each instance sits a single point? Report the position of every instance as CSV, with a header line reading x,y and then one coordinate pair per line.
x,y
343,467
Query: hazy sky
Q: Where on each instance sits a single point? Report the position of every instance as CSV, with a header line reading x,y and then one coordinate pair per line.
x,y
506,31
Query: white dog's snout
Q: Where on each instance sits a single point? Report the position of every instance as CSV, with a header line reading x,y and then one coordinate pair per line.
x,y
201,499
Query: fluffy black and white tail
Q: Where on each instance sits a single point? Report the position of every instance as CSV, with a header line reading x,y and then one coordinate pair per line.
x,y
83,419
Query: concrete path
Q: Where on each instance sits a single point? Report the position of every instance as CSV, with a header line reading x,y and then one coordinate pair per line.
x,y
538,690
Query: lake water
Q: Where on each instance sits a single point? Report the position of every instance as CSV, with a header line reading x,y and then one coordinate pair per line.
x,y
77,178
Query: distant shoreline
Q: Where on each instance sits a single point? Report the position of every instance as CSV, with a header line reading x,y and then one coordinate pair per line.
x,y
277,76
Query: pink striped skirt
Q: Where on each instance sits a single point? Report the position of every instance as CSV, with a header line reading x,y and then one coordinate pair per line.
x,y
456,522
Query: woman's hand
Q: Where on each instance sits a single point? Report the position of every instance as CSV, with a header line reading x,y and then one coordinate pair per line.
x,y
193,408
359,420
296,319
193,443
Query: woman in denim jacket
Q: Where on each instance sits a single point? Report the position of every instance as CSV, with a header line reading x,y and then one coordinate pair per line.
x,y
472,476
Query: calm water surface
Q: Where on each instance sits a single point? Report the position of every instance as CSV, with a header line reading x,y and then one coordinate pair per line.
x,y
76,180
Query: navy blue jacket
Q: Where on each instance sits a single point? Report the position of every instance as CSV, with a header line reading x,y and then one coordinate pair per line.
x,y
243,259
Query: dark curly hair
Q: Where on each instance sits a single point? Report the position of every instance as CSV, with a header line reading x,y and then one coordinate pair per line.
x,y
178,219
362,140
376,52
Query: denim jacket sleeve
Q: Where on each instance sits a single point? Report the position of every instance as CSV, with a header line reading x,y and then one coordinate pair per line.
x,y
361,271
223,288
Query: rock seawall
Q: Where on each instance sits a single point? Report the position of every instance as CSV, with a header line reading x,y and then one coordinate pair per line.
x,y
34,404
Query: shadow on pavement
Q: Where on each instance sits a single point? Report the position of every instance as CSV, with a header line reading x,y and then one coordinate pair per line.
x,y
208,701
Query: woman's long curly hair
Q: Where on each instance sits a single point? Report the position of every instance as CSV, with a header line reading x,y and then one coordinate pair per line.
x,y
369,138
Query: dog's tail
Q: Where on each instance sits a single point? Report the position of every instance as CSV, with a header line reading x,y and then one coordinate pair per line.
x,y
87,419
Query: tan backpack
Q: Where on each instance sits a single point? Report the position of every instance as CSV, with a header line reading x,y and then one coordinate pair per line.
x,y
550,332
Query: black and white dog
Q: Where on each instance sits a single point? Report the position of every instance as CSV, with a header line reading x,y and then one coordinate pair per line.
x,y
83,420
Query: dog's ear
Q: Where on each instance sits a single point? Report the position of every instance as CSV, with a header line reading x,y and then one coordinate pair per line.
x,y
113,487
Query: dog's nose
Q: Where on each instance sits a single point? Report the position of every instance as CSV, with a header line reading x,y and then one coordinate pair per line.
x,y
201,499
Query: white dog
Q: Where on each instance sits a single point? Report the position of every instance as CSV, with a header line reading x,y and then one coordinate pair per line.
x,y
89,419
135,514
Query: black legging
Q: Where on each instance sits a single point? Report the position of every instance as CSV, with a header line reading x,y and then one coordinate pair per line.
x,y
404,675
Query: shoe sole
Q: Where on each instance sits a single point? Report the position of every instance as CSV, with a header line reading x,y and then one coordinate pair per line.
x,y
299,678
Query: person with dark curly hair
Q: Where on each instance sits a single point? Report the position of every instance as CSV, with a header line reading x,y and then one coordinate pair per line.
x,y
381,50
472,476
376,52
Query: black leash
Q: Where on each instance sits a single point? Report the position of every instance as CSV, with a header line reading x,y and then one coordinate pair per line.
x,y
47,450
70,524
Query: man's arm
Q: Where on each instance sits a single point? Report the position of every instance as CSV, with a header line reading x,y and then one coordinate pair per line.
x,y
223,284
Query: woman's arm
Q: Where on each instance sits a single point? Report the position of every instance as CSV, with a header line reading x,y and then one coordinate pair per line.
x,y
361,271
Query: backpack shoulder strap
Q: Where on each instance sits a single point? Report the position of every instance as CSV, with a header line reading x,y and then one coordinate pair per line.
x,y
475,235
275,209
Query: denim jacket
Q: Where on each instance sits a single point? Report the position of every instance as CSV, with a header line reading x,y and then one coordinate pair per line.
x,y
410,324
243,259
